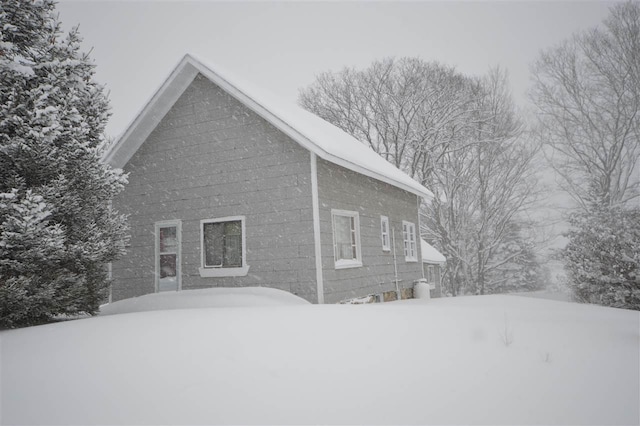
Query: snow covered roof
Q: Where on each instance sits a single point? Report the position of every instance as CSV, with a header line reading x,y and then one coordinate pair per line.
x,y
313,133
430,254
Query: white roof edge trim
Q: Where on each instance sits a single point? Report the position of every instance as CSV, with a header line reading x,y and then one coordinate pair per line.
x,y
180,78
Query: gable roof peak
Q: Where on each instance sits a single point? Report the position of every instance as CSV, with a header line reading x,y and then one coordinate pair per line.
x,y
310,131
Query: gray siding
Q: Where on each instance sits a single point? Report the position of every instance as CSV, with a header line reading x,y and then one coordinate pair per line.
x,y
340,188
212,157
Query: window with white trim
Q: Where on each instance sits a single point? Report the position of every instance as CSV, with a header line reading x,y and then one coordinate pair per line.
x,y
384,233
346,239
409,238
223,247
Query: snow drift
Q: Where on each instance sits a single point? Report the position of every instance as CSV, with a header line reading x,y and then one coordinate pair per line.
x,y
466,360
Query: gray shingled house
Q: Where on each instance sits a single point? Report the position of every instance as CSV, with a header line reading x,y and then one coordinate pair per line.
x,y
230,187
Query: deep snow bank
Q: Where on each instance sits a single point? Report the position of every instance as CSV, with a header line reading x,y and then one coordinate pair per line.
x,y
205,298
442,362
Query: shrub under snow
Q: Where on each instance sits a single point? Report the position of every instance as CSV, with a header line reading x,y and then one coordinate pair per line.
x,y
603,257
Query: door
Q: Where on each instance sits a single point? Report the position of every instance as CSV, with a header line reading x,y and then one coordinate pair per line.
x,y
168,256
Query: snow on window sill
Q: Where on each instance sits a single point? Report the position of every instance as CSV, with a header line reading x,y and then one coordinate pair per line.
x,y
410,259
344,264
224,272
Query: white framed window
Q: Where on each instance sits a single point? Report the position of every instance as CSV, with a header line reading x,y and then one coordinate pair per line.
x,y
409,238
346,239
168,236
384,233
223,247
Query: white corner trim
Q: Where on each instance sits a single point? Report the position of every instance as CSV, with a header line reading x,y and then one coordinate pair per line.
x,y
419,237
224,272
315,203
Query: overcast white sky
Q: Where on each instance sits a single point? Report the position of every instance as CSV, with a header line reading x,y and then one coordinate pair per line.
x,y
281,46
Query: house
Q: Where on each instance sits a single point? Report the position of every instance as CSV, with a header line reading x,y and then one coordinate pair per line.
x,y
229,186
432,262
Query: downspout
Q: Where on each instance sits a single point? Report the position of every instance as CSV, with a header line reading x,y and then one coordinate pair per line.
x,y
419,242
395,265
315,205
110,277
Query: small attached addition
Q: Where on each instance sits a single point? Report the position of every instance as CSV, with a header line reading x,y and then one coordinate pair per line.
x,y
409,237
223,247
346,239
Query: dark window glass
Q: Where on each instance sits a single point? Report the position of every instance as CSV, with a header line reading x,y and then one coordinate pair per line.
x,y
223,244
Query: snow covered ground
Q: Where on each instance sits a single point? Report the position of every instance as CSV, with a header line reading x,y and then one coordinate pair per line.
x,y
208,298
466,360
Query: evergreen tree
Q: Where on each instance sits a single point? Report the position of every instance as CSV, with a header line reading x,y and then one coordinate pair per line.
x,y
57,228
602,257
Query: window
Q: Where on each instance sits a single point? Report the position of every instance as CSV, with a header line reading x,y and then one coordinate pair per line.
x,y
346,239
167,255
223,247
409,237
384,233
431,274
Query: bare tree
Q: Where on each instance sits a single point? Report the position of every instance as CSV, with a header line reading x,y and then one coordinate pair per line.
x,y
587,91
488,182
401,108
505,180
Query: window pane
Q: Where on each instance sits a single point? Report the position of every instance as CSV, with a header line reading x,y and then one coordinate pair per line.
x,y
168,239
167,265
384,227
344,245
353,238
223,244
232,251
412,240
213,244
233,228
232,244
